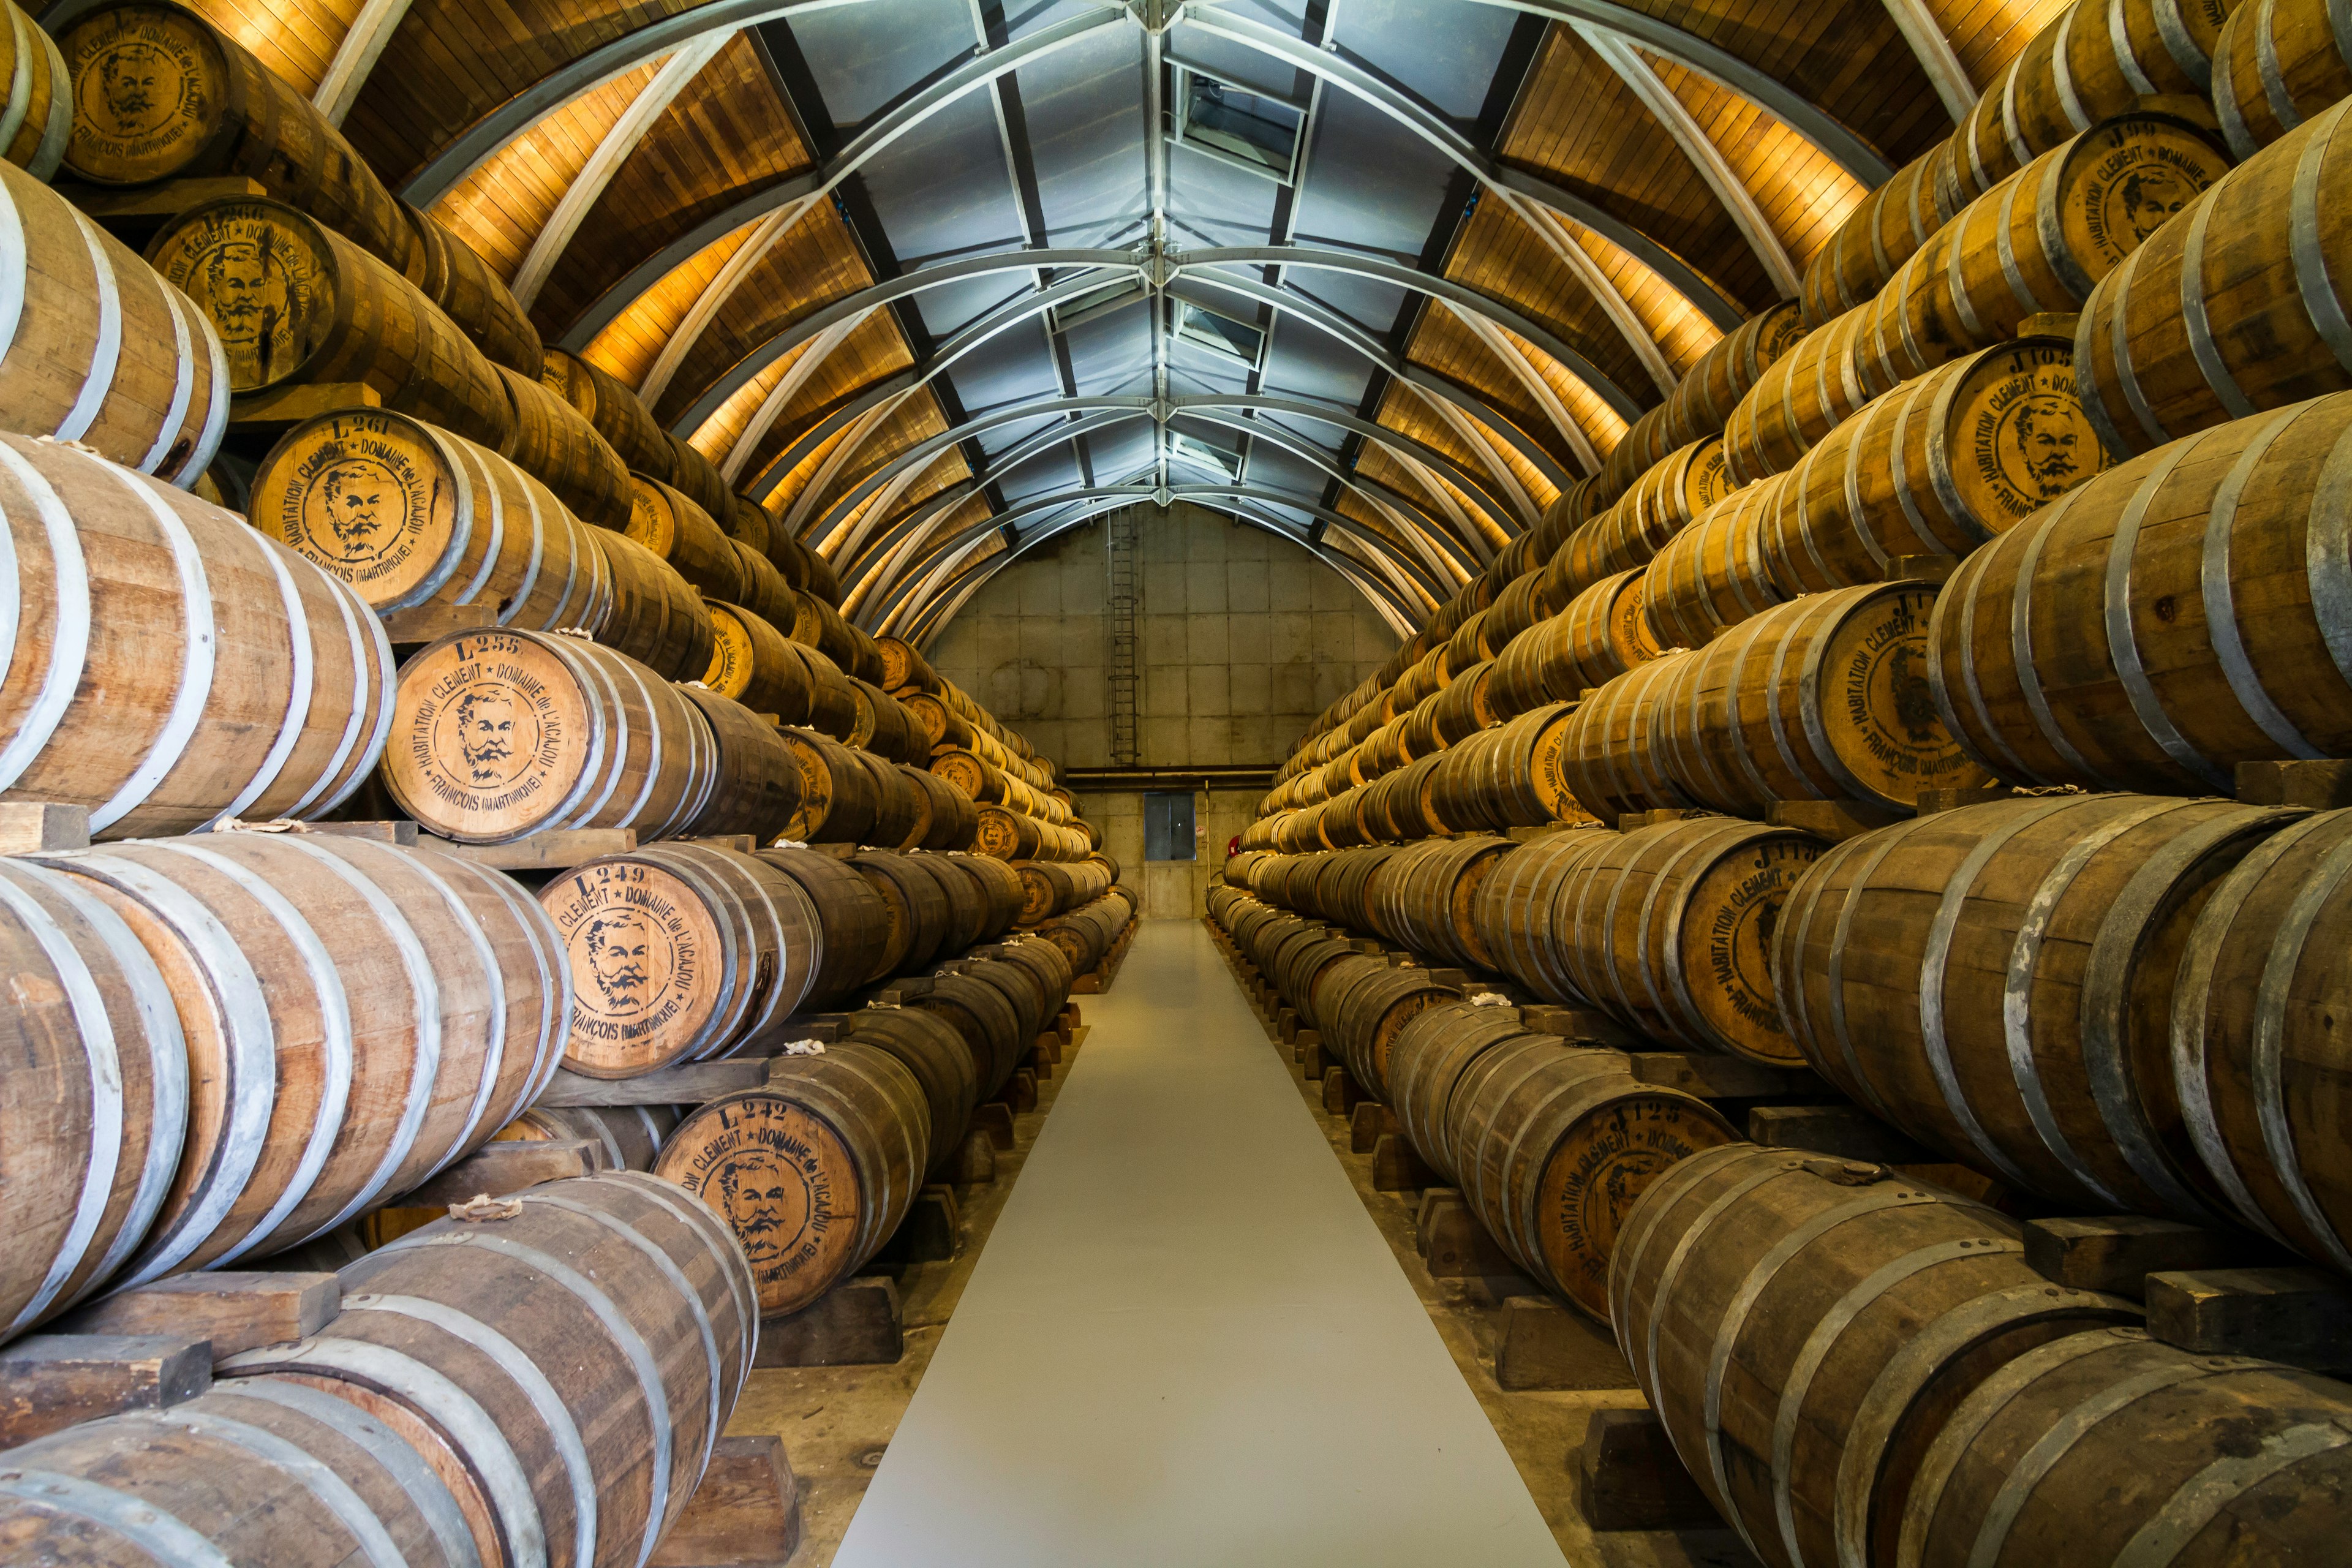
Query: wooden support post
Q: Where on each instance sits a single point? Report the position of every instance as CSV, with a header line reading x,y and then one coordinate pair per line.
x,y
995,1119
235,1312
746,1513
1629,1478
1722,1077
2117,1253
1367,1123
38,826
974,1164
1396,1168
49,1382
1541,1344
855,1323
1455,1244
2299,1316
1839,1130
1339,1092
498,1169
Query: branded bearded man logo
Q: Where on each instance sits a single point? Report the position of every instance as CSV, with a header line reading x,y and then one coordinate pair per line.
x,y
353,491
754,1192
248,297
618,944
486,722
2052,438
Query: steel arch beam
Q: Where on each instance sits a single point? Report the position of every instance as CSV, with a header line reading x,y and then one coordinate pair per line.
x,y
975,73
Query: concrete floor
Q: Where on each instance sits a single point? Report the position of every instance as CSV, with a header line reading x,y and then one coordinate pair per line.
x,y
1187,1342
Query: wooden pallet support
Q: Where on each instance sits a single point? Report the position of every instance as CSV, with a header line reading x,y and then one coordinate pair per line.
x,y
1629,1478
2325,785
2299,1316
746,1513
1366,1124
233,1312
422,624
1582,1025
689,1083
41,827
1835,820
928,1234
1841,1131
50,1382
1722,1078
553,849
1541,1344
1452,1242
855,1323
1396,1168
2117,1253
995,1119
496,1169
974,1164
1339,1092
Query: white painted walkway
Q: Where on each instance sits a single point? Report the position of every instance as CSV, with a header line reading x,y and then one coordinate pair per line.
x,y
1186,1344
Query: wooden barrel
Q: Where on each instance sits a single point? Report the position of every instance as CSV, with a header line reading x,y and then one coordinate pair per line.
x,y
1615,763
294,301
504,733
1011,835
1882,232
755,784
1427,1061
1085,933
455,277
2094,59
1513,775
40,114
1030,1017
947,819
900,807
1703,401
1667,499
409,514
837,792
99,1109
935,1056
1426,895
904,668
553,442
678,953
969,910
656,616
356,1018
1824,698
1554,1144
256,1470
682,534
2275,65
1714,573
1996,981
1520,918
896,736
832,705
2231,310
1000,893
2253,1060
1936,467
577,1361
752,662
1364,1019
1805,1326
2040,241
96,347
983,1015
625,1137
170,665
694,475
2167,620
915,903
751,525
813,1171
615,411
2216,1459
1049,887
854,921
1801,398
159,93
765,592
1669,929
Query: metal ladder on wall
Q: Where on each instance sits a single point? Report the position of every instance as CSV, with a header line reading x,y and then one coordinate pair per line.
x,y
1124,590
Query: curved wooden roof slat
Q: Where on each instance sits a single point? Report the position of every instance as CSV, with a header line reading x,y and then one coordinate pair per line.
x,y
1708,158
1937,59
1524,373
356,55
1547,226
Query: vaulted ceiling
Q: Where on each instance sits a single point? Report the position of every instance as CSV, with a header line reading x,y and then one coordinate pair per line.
x,y
938,278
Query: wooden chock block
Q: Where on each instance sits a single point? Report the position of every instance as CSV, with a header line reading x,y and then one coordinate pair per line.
x,y
1022,1089
995,1119
2321,786
1367,1123
1396,1168
2117,1253
551,850
1039,1063
928,1234
235,1311
1722,1077
400,832
2299,1316
974,1164
498,1169
49,1382
1086,985
1456,1245
746,1513
1841,1131
1629,1478
1932,801
1316,1062
1432,1199
1049,1046
1339,1092
1835,820
689,1083
39,826
1542,1344
1935,569
1285,1022
855,1323
1301,1042
1582,1024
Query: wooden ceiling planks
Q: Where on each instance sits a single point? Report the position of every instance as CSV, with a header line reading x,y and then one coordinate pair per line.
x,y
871,350
1582,128
1444,345
450,62
1602,424
726,136
1803,194
1988,33
499,208
814,264
1499,254
629,347
717,436
297,39
1682,332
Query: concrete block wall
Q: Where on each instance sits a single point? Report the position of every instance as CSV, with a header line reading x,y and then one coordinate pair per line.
x,y
1240,639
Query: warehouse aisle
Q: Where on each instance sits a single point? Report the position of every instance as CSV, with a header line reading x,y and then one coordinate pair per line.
x,y
1186,1344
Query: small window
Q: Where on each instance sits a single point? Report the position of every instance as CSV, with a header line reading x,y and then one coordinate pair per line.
x,y
1201,455
1239,125
1219,334
1167,826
